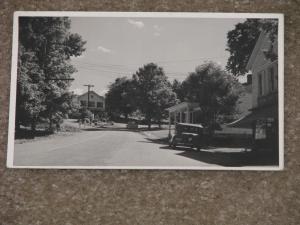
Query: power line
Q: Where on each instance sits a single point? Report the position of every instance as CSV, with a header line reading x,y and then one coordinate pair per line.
x,y
154,61
104,69
129,73
101,70
95,68
125,70
105,66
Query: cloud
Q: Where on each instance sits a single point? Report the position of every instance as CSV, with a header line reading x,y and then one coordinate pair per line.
x,y
136,23
103,49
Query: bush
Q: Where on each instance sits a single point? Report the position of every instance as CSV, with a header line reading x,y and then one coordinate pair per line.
x,y
85,113
75,115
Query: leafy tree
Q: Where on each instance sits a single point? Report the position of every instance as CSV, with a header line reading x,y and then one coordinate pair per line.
x,y
166,97
154,92
120,99
29,95
242,39
177,88
46,45
215,90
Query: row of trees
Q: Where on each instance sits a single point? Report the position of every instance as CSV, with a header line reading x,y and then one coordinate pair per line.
x,y
149,93
44,70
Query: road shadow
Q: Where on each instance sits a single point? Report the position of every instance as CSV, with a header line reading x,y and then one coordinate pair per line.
x,y
233,159
156,141
108,128
28,134
215,154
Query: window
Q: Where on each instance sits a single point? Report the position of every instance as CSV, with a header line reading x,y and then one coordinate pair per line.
x,y
191,117
92,96
83,103
91,104
272,79
260,87
260,129
99,104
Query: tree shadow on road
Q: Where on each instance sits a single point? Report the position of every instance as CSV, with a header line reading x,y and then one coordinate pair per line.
x,y
107,128
233,159
28,134
104,129
213,155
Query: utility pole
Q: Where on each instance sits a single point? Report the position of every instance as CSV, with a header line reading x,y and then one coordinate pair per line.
x,y
89,87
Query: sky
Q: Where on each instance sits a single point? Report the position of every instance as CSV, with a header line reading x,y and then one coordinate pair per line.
x,y
117,47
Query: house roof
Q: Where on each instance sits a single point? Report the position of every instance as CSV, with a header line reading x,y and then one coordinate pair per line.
x,y
91,92
182,106
255,51
258,113
190,124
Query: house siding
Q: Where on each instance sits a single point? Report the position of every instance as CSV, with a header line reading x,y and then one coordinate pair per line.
x,y
96,101
261,66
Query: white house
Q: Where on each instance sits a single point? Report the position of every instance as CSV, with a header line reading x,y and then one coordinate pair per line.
x,y
263,116
96,102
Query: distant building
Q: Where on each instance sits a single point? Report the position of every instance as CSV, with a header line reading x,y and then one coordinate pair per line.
x,y
96,102
263,115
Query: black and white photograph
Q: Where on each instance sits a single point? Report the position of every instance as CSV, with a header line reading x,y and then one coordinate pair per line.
x,y
128,90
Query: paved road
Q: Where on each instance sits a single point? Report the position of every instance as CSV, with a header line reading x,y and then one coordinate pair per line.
x,y
101,148
118,147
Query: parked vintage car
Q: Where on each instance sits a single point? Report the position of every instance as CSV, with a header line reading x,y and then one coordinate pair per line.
x,y
190,135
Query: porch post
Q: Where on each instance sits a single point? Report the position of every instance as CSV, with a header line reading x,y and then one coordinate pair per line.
x,y
175,117
180,117
188,116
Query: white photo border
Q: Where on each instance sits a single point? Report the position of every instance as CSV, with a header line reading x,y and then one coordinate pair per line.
x,y
13,83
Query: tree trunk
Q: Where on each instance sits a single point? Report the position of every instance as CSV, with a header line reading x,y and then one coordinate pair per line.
x,y
149,122
50,122
33,127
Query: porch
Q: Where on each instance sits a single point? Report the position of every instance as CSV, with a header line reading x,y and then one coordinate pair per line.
x,y
183,112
